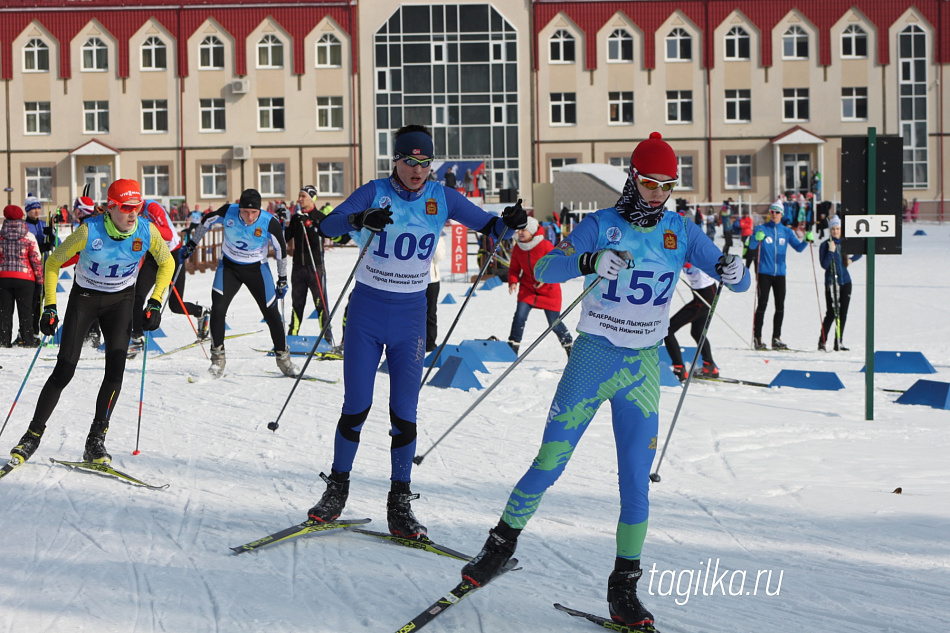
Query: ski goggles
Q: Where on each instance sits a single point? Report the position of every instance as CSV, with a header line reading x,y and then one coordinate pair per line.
x,y
126,207
652,183
412,161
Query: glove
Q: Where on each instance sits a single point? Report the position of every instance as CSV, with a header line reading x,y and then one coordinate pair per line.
x,y
374,219
515,217
730,269
606,263
188,248
48,231
152,317
809,236
281,288
49,320
759,235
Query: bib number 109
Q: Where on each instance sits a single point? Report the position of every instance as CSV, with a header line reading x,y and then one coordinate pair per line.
x,y
642,292
404,246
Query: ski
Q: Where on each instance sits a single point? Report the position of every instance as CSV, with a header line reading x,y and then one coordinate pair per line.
x,y
606,623
301,529
440,606
733,381
107,469
424,544
317,356
208,339
10,466
329,381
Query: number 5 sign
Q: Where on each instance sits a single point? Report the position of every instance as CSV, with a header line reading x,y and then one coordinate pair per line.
x,y
864,226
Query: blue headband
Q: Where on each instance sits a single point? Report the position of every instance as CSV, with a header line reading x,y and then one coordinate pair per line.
x,y
414,144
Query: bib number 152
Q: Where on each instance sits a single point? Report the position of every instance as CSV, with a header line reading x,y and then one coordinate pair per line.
x,y
641,292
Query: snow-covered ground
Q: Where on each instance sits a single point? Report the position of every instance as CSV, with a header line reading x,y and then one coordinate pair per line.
x,y
788,482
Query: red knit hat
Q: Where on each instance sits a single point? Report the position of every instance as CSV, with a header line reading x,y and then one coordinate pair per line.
x,y
13,212
654,156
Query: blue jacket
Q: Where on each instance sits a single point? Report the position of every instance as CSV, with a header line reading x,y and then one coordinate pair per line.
x,y
826,257
774,246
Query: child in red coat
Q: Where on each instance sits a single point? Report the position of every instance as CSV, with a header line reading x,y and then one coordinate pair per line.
x,y
530,247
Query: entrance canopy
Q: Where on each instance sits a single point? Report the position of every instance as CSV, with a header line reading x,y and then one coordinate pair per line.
x,y
93,147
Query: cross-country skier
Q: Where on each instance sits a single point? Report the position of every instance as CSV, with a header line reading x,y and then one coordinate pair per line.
x,y
695,312
835,263
403,215
308,269
110,247
638,249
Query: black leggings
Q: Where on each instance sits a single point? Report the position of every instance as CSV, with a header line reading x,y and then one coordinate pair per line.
x,y
114,311
695,312
233,276
828,329
17,292
776,284
303,278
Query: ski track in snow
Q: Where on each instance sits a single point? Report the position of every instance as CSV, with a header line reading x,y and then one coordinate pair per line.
x,y
789,481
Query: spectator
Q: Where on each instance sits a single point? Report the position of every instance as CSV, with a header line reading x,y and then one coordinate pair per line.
x,y
469,183
450,180
21,270
837,286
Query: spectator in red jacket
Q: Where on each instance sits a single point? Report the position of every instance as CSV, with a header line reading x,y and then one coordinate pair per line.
x,y
531,246
20,271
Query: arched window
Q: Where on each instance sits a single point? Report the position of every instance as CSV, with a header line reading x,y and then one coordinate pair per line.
x,y
154,54
36,56
270,52
679,46
737,44
795,43
620,46
95,55
329,51
854,42
211,54
562,47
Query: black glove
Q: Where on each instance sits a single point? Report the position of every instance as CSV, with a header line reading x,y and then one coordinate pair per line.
x,y
152,317
374,219
515,217
281,288
188,248
49,320
48,231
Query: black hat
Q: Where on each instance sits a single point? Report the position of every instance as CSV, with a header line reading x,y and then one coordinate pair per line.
x,y
310,189
250,199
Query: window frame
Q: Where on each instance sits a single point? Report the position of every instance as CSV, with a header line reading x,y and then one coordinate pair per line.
x,y
271,108
566,45
621,39
854,33
153,45
739,98
209,45
272,175
737,35
676,97
683,183
797,37
855,98
271,44
796,100
617,99
210,106
326,172
97,112
331,107
154,178
328,42
738,166
37,114
155,111
216,175
37,188
564,103
100,55
37,49
678,36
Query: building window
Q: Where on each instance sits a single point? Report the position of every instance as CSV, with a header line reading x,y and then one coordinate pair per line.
x,y
795,43
329,52
558,163
912,110
214,181
39,182
330,179
270,114
562,47
212,115
154,54
854,104
563,108
37,117
795,104
685,166
272,179
620,47
36,57
154,116
679,106
738,47
95,116
738,171
679,46
854,43
211,54
329,113
270,52
620,108
620,162
95,55
738,106
155,180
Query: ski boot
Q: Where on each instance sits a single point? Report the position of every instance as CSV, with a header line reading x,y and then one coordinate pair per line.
x,y
500,546
778,344
680,372
514,346
27,446
821,344
286,365
96,444
567,349
331,503
94,336
625,607
758,344
402,522
839,347
204,323
709,370
136,346
218,361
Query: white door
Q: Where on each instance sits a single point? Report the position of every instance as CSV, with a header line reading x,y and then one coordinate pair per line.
x,y
98,177
796,169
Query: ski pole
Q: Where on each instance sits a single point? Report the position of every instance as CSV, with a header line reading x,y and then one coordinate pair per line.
x,y
418,459
706,303
188,316
655,475
471,291
276,423
811,249
23,384
836,301
138,430
316,273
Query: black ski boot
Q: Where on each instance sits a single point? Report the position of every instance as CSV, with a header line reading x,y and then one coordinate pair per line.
x,y
515,346
499,547
331,503
27,446
567,348
625,607
778,344
680,372
402,522
759,345
96,444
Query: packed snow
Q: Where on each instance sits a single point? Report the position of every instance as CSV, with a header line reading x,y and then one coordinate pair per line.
x,y
775,512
